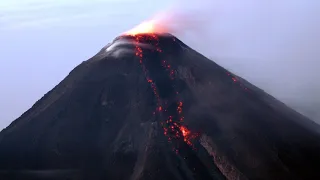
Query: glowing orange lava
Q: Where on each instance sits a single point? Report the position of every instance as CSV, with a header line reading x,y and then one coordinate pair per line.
x,y
172,126
147,27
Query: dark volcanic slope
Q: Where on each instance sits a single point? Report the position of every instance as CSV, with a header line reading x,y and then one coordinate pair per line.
x,y
148,107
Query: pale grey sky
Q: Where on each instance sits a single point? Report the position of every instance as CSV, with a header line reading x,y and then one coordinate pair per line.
x,y
272,43
42,40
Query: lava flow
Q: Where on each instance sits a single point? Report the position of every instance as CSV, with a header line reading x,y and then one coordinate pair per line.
x,y
172,126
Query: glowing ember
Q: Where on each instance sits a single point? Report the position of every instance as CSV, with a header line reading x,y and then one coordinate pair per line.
x,y
185,131
236,81
179,109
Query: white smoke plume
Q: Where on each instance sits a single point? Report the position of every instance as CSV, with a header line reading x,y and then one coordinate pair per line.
x,y
272,43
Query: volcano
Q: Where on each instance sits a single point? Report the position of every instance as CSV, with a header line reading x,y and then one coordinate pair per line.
x,y
148,107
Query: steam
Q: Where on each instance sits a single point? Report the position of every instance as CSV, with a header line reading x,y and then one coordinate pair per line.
x,y
114,50
273,44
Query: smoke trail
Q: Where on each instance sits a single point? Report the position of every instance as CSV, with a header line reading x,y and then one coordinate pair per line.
x,y
273,44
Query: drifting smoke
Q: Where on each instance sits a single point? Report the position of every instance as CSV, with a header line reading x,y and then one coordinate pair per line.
x,y
273,44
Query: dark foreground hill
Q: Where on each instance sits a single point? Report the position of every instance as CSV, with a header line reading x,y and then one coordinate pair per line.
x,y
148,107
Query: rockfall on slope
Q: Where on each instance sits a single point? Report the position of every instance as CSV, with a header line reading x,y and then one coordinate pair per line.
x,y
148,107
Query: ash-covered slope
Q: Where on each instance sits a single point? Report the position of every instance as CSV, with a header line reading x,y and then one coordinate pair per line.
x,y
148,107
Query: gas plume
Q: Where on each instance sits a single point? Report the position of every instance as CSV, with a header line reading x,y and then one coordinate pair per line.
x,y
273,44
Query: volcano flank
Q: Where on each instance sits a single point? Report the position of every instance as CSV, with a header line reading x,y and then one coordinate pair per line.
x,y
148,107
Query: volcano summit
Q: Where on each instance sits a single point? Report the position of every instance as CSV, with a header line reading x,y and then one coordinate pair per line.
x,y
148,107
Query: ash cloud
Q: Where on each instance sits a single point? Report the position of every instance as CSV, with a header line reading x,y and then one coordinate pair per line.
x,y
273,44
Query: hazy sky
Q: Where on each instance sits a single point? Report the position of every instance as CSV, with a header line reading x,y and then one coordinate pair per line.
x,y
272,43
